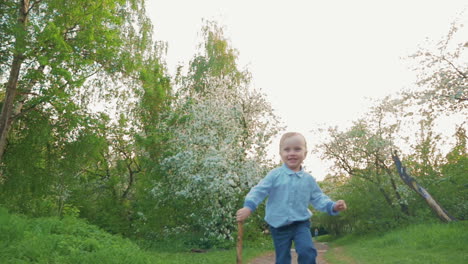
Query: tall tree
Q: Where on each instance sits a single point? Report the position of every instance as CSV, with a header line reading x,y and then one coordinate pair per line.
x,y
76,56
51,49
219,139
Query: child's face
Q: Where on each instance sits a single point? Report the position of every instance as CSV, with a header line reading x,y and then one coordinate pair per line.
x,y
293,152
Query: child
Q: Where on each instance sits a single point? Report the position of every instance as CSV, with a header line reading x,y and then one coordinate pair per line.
x,y
290,190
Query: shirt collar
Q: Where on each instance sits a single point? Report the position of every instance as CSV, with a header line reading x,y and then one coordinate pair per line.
x,y
291,172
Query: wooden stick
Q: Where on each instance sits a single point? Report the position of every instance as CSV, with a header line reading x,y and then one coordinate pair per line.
x,y
240,233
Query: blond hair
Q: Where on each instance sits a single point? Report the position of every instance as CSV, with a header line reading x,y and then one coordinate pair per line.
x,y
292,134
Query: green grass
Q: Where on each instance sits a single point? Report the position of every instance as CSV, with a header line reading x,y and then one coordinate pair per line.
x,y
71,240
177,250
211,257
324,238
422,243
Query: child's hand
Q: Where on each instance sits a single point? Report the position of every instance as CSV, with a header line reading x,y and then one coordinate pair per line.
x,y
243,214
340,205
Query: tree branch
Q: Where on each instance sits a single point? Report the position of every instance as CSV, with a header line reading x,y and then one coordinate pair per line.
x,y
411,182
454,67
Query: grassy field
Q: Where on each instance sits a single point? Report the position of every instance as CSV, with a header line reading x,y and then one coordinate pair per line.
x,y
418,244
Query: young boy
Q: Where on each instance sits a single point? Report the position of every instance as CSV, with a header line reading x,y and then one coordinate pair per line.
x,y
290,190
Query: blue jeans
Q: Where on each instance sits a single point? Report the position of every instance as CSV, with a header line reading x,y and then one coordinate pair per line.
x,y
299,232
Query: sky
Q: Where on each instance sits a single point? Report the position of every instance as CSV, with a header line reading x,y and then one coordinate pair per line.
x,y
320,63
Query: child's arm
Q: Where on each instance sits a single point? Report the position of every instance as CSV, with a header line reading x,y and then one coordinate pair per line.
x,y
256,195
323,203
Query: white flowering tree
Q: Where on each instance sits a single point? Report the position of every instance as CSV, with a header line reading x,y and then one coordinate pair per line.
x,y
220,137
443,72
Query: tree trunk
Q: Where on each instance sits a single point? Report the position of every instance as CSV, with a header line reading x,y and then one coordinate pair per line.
x,y
10,94
411,182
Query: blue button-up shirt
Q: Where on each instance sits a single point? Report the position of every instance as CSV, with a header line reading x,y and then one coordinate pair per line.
x,y
289,195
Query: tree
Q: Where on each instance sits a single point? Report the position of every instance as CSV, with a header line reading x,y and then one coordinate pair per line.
x,y
362,152
74,56
442,76
443,72
55,51
41,182
220,134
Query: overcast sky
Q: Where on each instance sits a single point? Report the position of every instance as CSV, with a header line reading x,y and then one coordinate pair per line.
x,y
318,62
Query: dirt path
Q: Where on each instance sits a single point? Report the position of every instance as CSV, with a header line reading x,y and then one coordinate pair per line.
x,y
269,258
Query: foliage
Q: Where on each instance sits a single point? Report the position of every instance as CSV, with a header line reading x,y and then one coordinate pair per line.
x,y
453,180
70,240
39,183
421,243
364,214
76,58
51,240
363,169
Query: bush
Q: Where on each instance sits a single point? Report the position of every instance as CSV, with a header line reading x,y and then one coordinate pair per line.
x,y
68,240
